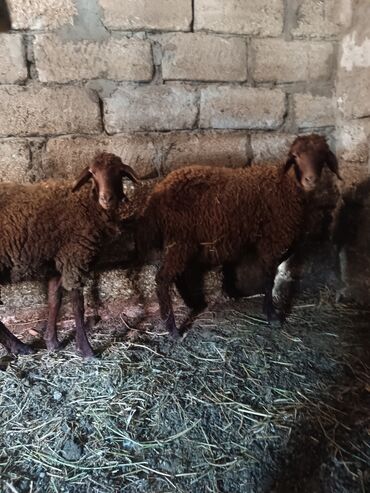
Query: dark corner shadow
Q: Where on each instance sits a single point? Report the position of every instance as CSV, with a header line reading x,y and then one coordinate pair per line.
x,y
335,435
5,24
347,228
350,227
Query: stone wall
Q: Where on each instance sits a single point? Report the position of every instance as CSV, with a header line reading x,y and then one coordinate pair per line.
x,y
165,83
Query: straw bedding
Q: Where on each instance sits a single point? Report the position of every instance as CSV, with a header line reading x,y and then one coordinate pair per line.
x,y
236,406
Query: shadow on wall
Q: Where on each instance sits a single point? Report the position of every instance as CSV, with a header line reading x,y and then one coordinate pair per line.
x,y
4,17
352,238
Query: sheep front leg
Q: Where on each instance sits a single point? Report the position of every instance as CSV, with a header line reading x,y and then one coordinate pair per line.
x,y
190,285
82,343
165,304
11,343
54,302
173,265
74,261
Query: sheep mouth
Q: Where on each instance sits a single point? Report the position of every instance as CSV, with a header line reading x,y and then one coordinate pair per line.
x,y
309,187
108,206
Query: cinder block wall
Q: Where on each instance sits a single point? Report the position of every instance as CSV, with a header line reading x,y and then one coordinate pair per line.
x,y
163,83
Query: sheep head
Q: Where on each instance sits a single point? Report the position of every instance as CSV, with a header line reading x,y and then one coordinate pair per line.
x,y
309,154
106,173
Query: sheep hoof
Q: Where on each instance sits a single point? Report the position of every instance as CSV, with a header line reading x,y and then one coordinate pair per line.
x,y
22,349
170,325
86,352
275,318
175,333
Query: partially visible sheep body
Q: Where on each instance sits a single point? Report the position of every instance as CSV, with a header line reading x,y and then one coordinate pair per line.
x,y
47,230
209,216
313,254
45,224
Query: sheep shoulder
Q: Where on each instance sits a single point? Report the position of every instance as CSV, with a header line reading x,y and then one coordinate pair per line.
x,y
261,190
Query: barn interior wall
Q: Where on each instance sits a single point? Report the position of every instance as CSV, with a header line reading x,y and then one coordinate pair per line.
x,y
185,82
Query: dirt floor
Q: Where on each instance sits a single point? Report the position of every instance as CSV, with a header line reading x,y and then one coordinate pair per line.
x,y
237,406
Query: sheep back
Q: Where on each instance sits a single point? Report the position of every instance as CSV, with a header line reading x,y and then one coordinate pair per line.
x,y
217,212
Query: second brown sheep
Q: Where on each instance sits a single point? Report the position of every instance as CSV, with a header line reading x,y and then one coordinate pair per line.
x,y
203,217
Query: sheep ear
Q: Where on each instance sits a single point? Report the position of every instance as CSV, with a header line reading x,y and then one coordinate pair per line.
x,y
332,163
289,163
130,173
82,179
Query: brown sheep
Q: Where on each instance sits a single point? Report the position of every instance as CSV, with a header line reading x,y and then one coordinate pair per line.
x,y
203,217
47,230
112,253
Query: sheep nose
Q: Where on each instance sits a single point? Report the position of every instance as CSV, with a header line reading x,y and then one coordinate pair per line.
x,y
309,182
106,200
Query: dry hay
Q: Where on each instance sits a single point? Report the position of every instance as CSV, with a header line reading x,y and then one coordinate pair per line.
x,y
237,406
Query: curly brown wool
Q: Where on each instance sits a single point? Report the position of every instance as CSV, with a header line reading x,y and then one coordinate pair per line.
x,y
49,231
205,216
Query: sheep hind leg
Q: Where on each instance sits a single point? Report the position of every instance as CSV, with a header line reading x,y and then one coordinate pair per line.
x,y
82,343
11,343
54,302
165,304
